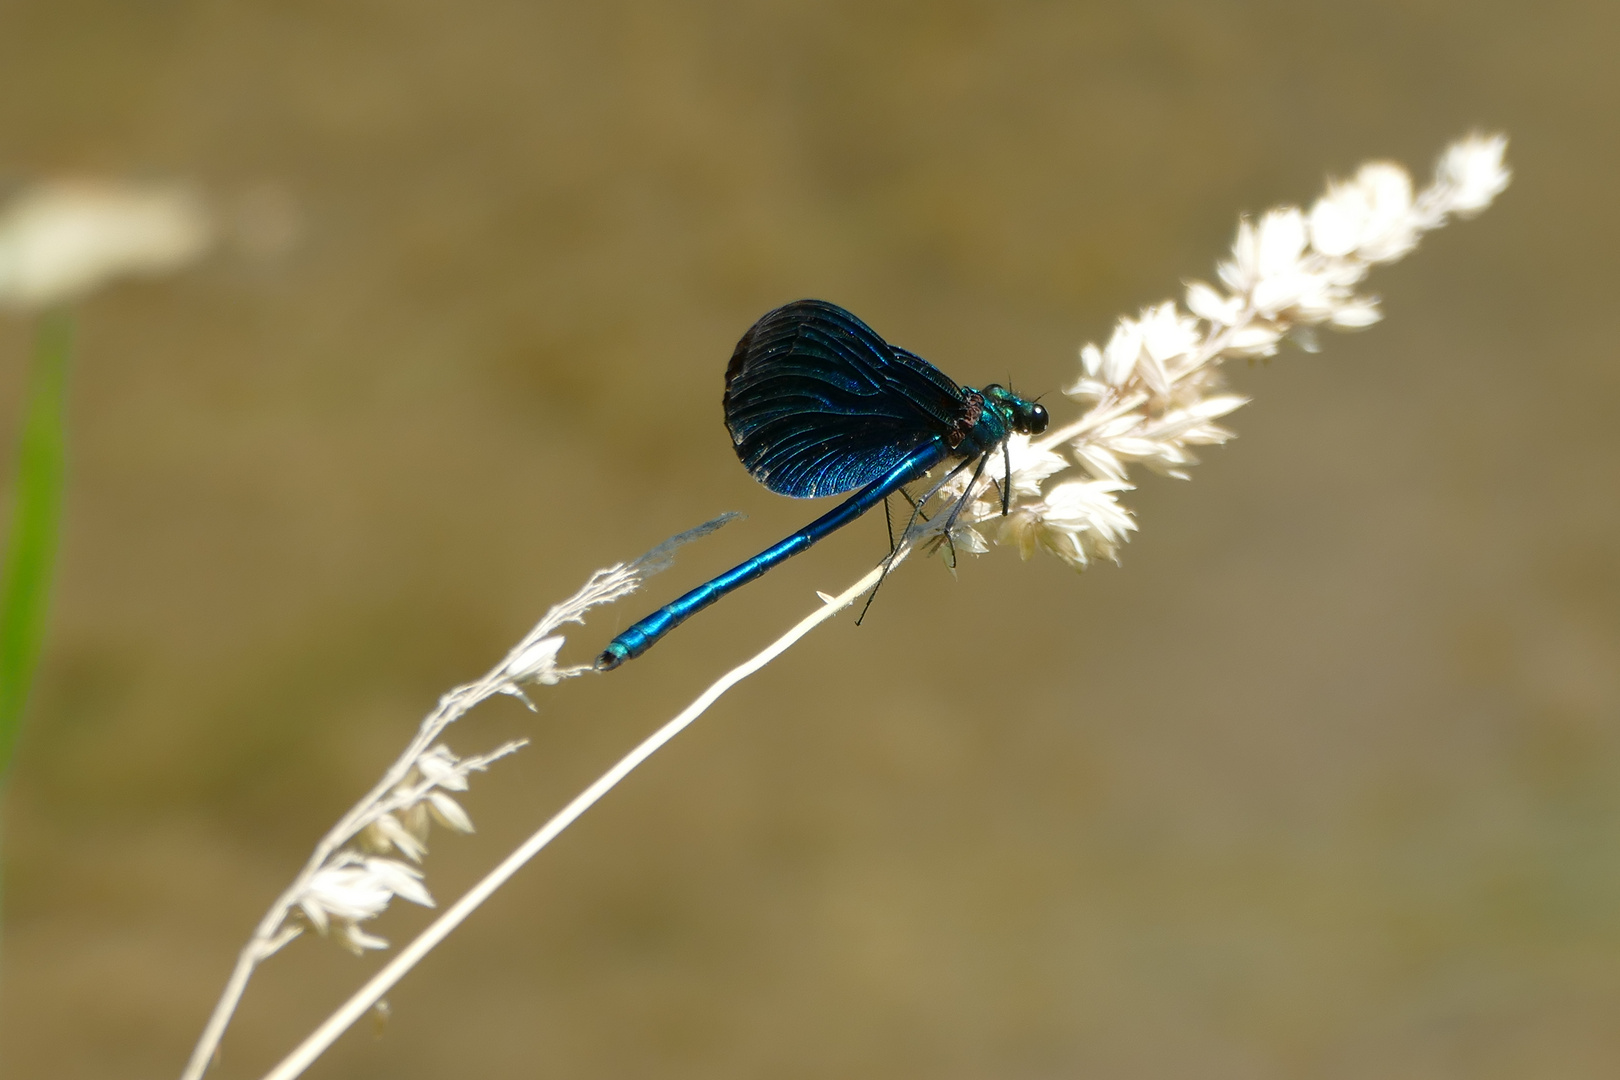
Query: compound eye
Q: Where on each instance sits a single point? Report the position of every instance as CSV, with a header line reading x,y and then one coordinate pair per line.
x,y
1037,419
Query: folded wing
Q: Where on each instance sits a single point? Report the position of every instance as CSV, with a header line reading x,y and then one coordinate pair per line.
x,y
817,403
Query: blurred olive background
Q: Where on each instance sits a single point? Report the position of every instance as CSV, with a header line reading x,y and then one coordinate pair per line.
x,y
1324,781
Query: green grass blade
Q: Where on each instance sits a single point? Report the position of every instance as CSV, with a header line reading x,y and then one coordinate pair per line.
x,y
30,556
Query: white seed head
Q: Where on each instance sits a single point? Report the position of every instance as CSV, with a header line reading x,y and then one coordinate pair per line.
x,y
1155,389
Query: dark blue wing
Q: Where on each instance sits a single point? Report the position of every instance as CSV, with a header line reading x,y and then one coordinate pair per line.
x,y
817,403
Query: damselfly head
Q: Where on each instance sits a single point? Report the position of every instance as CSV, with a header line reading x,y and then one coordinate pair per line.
x,y
1025,417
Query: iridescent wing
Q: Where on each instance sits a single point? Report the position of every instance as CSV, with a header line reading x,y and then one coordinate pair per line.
x,y
817,403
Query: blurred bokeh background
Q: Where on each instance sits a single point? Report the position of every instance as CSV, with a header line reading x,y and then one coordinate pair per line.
x,y
1324,781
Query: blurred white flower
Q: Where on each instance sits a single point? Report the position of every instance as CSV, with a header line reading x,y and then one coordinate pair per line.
x,y
62,240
